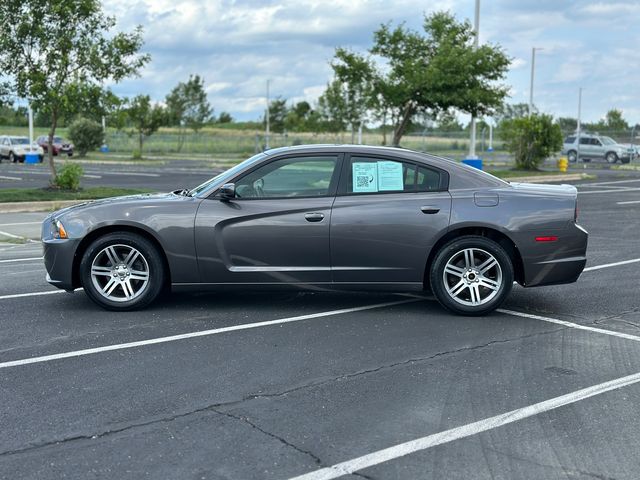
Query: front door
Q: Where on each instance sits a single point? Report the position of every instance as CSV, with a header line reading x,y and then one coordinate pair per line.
x,y
385,220
277,228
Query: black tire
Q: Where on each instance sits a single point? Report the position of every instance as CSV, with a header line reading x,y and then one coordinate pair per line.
x,y
12,157
611,157
572,156
121,241
625,160
502,275
40,158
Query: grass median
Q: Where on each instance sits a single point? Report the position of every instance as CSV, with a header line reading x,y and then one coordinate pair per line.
x,y
46,194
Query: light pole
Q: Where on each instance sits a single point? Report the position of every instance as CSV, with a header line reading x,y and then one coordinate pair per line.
x,y
533,67
266,136
476,28
578,132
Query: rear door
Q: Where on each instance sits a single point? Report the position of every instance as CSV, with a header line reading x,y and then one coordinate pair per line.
x,y
385,219
277,229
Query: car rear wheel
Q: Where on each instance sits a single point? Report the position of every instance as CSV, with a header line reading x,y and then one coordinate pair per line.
x,y
611,157
122,271
12,157
471,275
572,156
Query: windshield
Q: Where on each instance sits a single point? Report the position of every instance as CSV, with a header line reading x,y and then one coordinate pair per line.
x,y
19,141
224,176
608,140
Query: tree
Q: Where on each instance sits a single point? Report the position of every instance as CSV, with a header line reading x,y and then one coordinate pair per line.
x,y
531,139
613,120
47,46
277,113
332,107
86,135
447,121
431,72
188,107
225,117
144,118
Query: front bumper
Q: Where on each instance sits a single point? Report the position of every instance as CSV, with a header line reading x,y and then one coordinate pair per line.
x,y
59,256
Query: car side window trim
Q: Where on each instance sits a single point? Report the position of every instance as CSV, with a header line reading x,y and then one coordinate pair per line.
x,y
346,164
331,191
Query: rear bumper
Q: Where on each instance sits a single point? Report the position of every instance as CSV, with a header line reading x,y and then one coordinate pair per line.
x,y
557,262
58,260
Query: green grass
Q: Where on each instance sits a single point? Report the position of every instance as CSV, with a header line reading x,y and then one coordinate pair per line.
x,y
44,194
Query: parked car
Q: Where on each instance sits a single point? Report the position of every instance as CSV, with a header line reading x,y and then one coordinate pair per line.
x,y
16,148
59,146
339,217
594,147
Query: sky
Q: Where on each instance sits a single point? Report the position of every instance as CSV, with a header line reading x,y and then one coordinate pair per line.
x,y
238,45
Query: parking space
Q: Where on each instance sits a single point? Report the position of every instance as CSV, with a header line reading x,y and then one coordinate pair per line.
x,y
327,385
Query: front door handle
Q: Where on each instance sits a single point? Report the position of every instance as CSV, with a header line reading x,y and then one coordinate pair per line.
x,y
314,217
429,210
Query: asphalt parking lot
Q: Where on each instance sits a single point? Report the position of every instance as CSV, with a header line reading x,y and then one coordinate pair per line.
x,y
328,385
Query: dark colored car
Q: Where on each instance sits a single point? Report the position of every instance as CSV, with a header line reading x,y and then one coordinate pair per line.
x,y
345,217
59,146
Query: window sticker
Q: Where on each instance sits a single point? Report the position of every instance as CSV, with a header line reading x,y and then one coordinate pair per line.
x,y
365,177
390,176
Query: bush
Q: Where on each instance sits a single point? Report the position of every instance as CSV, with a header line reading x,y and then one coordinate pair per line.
x,y
136,154
86,135
531,139
69,176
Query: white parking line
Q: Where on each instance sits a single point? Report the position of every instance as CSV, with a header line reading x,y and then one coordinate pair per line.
x,y
11,235
10,178
184,336
21,223
628,203
14,260
612,182
577,326
32,294
610,191
464,431
608,265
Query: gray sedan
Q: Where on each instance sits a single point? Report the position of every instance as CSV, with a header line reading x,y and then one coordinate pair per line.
x,y
346,217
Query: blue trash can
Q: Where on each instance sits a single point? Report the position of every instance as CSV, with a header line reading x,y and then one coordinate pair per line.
x,y
473,162
32,158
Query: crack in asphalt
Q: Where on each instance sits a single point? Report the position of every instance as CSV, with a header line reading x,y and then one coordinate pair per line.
x,y
215,408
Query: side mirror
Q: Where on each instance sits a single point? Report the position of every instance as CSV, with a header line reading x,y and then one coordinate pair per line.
x,y
227,191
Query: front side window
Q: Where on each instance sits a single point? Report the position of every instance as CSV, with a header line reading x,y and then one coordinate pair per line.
x,y
376,175
570,140
585,141
289,177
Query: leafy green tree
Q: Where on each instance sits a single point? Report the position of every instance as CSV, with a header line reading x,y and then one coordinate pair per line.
x,y
614,120
332,108
224,117
531,139
86,135
432,71
447,121
188,107
277,114
145,119
47,46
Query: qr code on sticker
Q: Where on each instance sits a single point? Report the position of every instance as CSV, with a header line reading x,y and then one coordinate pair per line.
x,y
362,181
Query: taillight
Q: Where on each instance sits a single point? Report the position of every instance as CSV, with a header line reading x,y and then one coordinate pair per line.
x,y
548,238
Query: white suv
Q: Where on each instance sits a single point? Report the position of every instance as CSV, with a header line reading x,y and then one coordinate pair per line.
x,y
596,146
16,149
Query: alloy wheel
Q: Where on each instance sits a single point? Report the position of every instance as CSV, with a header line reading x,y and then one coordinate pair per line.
x,y
472,277
120,273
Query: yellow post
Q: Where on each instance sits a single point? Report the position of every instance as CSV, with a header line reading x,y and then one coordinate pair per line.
x,y
563,164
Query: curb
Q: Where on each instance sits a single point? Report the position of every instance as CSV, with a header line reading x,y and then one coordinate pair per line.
x,y
49,206
548,178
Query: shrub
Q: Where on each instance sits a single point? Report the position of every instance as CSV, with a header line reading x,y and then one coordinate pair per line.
x,y
69,176
531,139
136,154
86,135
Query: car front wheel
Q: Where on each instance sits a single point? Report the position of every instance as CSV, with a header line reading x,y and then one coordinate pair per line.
x,y
573,156
471,275
611,157
122,271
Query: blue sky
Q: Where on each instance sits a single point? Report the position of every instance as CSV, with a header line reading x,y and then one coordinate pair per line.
x,y
237,45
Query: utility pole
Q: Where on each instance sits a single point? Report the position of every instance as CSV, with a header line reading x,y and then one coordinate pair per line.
x,y
476,28
30,127
266,136
533,67
579,114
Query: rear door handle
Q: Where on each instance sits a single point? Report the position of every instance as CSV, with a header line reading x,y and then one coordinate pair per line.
x,y
429,210
314,217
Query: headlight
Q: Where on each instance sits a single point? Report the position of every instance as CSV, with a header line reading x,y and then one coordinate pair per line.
x,y
58,229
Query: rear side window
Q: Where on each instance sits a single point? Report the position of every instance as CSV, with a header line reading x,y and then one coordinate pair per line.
x,y
585,141
569,139
378,175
